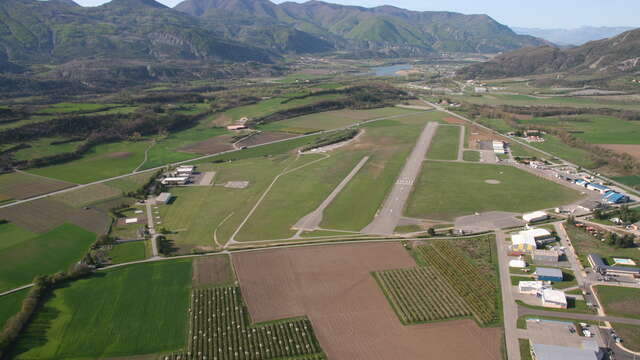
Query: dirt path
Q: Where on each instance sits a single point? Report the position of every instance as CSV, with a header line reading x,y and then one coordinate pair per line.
x,y
388,217
312,220
146,155
461,144
152,228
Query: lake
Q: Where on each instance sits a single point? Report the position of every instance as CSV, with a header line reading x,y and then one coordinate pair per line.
x,y
390,70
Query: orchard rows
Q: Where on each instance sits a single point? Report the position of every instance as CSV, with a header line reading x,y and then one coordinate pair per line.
x,y
220,330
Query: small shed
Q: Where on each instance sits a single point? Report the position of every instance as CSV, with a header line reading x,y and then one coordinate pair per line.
x,y
163,198
236,127
548,274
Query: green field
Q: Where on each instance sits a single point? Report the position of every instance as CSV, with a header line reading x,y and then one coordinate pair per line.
x,y
632,180
630,335
585,244
269,106
10,305
448,190
66,108
594,129
555,146
12,234
88,195
388,143
183,215
45,254
471,155
331,120
131,183
126,252
42,148
133,310
525,349
101,162
445,143
619,301
167,149
526,100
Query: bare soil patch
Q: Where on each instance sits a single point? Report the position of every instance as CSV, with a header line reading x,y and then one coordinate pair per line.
x,y
264,137
211,270
211,146
221,120
43,215
352,319
477,134
455,120
22,185
633,150
119,155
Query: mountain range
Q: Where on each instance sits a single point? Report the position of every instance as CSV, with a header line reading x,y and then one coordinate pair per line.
x,y
613,56
570,37
59,31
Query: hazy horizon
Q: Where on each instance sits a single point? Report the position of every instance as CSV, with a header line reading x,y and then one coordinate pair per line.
x,y
568,14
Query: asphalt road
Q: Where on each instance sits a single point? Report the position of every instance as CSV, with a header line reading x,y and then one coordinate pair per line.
x,y
509,307
522,310
312,220
387,219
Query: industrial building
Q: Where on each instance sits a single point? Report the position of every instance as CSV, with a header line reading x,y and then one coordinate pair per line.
x,y
554,299
498,147
613,197
601,267
185,170
528,240
531,287
535,216
597,187
588,351
176,180
548,274
545,256
163,198
518,264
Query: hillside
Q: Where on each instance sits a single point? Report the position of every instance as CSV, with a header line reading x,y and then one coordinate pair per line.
x,y
353,27
578,36
617,55
54,32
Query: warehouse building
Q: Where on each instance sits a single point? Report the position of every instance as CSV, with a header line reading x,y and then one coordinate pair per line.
x,y
554,299
176,180
185,170
597,187
518,264
498,147
546,256
532,287
521,243
588,351
535,216
613,197
548,274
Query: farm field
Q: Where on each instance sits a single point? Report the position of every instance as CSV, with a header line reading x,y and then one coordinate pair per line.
x,y
10,305
525,100
212,271
220,333
155,295
131,183
44,147
444,145
330,120
19,185
42,215
67,108
619,301
101,162
332,285
45,254
131,251
88,195
594,129
175,147
12,234
388,143
464,191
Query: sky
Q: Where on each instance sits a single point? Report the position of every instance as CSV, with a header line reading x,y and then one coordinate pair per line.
x,y
521,13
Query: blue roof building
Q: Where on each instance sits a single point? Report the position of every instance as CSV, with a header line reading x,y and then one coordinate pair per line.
x,y
548,274
613,197
582,182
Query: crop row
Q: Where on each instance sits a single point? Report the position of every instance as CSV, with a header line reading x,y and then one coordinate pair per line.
x,y
421,295
220,329
477,291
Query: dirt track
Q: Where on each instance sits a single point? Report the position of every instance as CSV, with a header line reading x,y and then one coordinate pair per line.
x,y
352,319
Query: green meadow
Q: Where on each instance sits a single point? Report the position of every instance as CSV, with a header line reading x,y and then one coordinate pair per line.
x,y
132,310
445,143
